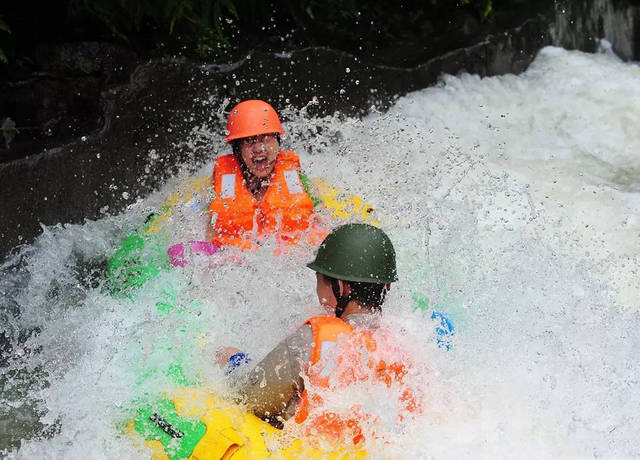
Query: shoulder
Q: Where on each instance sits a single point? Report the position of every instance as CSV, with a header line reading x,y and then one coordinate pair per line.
x,y
227,159
324,320
226,164
287,156
302,338
328,326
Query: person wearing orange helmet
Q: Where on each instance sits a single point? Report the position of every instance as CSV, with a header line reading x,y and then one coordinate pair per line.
x,y
258,190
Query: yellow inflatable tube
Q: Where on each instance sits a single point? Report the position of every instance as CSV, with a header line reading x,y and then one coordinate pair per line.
x,y
342,205
184,195
220,430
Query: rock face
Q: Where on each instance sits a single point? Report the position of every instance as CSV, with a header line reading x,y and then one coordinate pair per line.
x,y
60,100
580,24
132,146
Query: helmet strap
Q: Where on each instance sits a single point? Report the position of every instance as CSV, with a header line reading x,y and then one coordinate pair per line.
x,y
341,302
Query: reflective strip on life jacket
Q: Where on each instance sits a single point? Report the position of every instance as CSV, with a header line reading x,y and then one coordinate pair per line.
x,y
228,188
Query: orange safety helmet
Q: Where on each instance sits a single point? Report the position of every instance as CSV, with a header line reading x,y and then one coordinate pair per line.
x,y
252,118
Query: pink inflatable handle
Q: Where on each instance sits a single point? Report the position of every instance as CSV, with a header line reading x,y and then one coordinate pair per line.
x,y
177,256
203,247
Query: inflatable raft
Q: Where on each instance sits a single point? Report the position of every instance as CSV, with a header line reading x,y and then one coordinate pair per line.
x,y
193,424
199,426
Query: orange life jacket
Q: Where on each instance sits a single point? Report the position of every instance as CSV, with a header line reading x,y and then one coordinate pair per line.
x,y
359,359
238,219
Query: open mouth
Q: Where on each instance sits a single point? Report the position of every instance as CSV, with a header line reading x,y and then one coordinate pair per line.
x,y
261,162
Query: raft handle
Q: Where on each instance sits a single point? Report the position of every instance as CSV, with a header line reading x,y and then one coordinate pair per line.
x,y
166,426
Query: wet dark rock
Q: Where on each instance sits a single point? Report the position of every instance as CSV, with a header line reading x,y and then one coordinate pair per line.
x,y
86,58
58,97
580,24
130,145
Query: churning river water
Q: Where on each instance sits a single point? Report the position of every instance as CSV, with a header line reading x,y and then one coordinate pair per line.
x,y
514,206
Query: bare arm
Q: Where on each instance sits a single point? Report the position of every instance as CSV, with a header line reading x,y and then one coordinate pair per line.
x,y
277,379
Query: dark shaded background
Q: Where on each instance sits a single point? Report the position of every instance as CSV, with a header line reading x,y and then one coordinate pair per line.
x,y
63,54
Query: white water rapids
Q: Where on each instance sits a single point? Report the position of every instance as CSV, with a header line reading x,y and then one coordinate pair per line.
x,y
514,205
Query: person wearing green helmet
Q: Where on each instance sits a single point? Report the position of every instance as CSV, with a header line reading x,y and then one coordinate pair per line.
x,y
355,266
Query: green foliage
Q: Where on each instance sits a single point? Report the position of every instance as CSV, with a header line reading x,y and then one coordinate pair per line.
x,y
190,21
206,26
209,26
484,7
4,28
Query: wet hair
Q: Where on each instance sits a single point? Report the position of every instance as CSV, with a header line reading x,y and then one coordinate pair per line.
x,y
369,295
235,146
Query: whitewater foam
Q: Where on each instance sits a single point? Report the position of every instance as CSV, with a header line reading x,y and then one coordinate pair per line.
x,y
513,203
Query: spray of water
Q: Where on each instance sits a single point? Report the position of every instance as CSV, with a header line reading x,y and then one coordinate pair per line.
x,y
513,203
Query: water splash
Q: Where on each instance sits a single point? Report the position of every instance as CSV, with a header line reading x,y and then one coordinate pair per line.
x,y
513,204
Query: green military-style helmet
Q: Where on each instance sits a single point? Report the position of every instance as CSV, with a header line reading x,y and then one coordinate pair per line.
x,y
357,252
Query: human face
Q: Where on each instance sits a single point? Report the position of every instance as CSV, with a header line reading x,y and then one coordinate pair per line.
x,y
325,292
259,154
